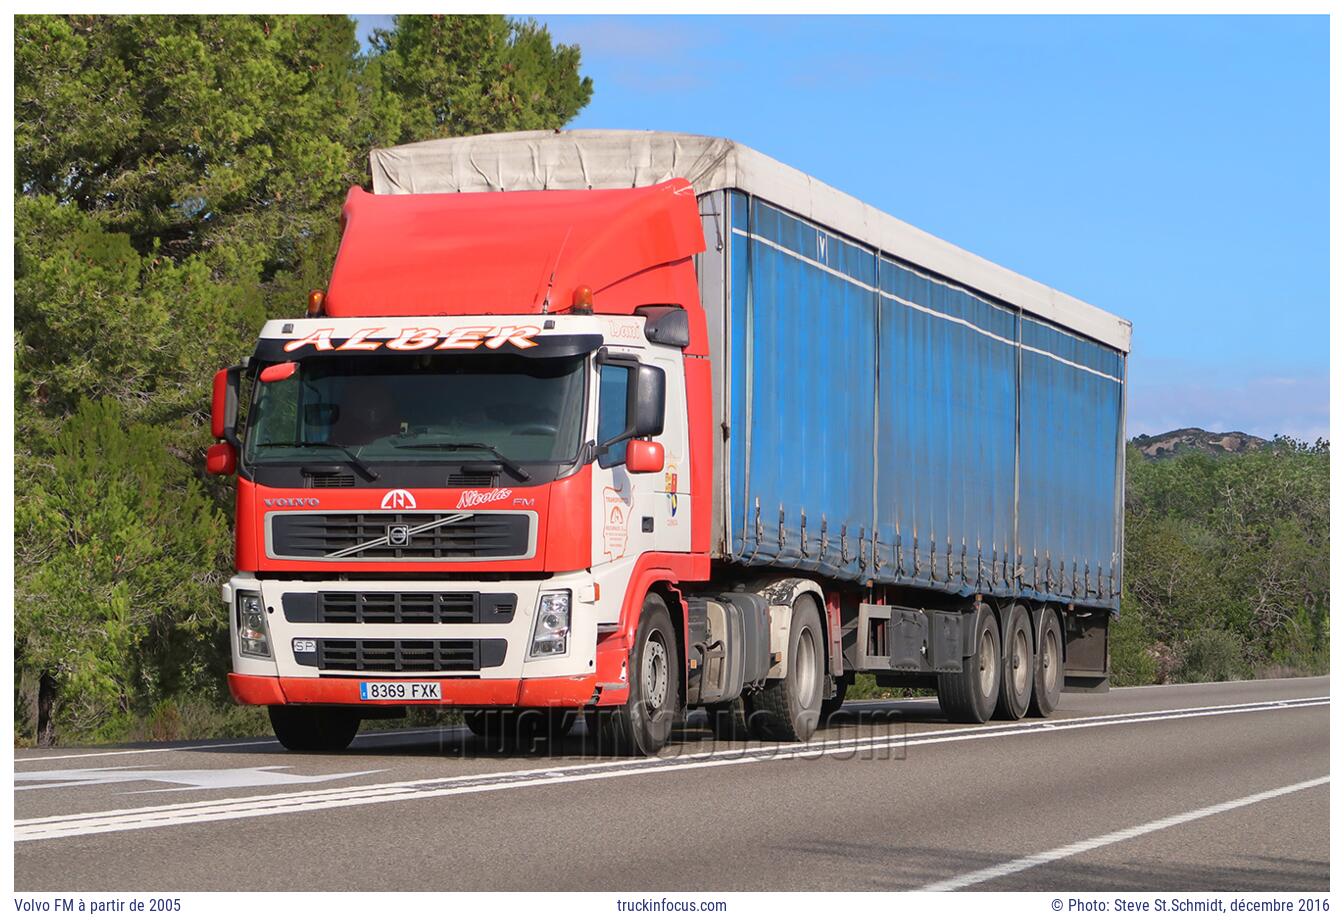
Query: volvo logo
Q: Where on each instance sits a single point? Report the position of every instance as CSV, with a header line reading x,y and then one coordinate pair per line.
x,y
397,500
398,534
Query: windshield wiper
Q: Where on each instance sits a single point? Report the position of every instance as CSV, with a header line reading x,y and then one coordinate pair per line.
x,y
514,469
350,455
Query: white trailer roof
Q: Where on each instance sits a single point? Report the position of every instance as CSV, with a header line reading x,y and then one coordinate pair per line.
x,y
531,160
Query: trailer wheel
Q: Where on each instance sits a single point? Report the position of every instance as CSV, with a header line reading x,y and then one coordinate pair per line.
x,y
643,724
970,696
789,709
1019,666
1049,667
314,728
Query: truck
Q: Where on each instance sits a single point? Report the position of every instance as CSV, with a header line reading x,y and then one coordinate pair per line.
x,y
625,424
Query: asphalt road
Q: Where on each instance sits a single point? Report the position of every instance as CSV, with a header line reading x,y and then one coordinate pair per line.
x,y
1189,788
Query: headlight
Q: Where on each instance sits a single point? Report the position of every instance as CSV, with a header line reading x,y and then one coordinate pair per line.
x,y
550,634
252,637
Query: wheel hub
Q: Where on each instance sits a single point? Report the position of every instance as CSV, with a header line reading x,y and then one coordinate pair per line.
x,y
653,668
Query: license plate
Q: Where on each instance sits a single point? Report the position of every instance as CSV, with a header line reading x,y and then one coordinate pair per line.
x,y
400,690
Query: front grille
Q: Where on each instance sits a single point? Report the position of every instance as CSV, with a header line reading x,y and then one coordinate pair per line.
x,y
461,480
331,480
464,535
424,656
429,607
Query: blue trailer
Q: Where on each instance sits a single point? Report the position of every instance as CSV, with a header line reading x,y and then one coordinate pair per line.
x,y
925,447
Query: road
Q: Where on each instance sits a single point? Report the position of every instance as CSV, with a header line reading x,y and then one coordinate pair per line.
x,y
1185,788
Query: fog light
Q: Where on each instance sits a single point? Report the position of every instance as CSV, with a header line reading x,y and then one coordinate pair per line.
x,y
550,635
252,638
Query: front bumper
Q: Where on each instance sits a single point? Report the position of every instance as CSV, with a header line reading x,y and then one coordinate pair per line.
x,y
254,690
508,678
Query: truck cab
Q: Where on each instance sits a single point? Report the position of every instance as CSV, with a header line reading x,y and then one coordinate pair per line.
x,y
447,508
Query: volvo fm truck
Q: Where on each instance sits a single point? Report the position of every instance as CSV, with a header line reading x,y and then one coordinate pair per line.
x,y
621,424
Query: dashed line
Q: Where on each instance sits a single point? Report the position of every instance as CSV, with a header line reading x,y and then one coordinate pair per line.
x,y
990,873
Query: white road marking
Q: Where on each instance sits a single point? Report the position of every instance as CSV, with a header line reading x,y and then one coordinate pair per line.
x,y
269,742
263,806
1065,852
228,778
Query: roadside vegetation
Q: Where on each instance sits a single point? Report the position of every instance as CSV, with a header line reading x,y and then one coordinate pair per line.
x,y
177,182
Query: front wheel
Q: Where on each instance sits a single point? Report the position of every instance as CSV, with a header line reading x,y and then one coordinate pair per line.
x,y
643,724
970,696
314,728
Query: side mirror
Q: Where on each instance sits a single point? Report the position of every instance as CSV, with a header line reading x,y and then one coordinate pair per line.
x,y
277,372
646,402
221,459
224,404
644,457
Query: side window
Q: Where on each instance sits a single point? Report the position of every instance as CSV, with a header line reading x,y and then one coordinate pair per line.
x,y
613,384
278,415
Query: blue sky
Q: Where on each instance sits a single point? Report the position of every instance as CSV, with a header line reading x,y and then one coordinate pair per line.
x,y
1173,170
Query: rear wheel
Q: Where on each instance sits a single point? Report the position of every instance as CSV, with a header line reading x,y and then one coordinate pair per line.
x,y
314,728
1049,681
970,696
643,724
789,709
1019,666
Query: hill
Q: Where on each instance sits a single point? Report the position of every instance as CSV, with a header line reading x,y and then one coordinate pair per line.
x,y
1160,446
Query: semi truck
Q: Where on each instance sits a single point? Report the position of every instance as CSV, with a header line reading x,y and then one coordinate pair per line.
x,y
624,424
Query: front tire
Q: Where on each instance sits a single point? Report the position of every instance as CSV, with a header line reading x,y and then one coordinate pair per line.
x,y
789,709
314,728
643,724
970,696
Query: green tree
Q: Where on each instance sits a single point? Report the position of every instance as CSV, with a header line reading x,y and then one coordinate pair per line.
x,y
178,180
461,75
118,603
1227,561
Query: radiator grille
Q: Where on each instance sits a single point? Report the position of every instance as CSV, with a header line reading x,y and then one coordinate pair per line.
x,y
463,535
409,656
428,607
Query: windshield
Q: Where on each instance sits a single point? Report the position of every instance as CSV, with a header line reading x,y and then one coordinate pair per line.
x,y
436,408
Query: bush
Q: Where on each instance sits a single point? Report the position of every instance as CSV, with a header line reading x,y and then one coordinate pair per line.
x,y
1212,655
1133,661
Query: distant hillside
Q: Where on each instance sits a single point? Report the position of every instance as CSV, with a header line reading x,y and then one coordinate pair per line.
x,y
1159,446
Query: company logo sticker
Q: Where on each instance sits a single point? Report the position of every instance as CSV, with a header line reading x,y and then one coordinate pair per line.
x,y
464,338
397,500
670,487
616,525
472,498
